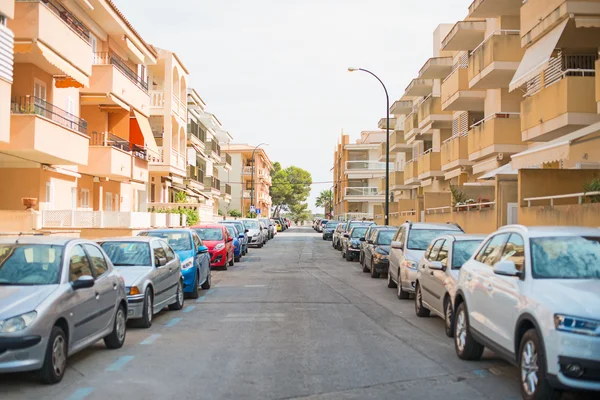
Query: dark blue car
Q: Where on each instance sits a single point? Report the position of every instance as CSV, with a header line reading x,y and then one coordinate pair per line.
x,y
242,229
237,241
194,257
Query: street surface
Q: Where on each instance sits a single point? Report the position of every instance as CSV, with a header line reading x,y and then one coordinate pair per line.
x,y
291,321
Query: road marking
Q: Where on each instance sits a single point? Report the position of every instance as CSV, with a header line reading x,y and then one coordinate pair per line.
x,y
173,322
481,373
251,286
243,315
151,339
80,394
188,309
120,363
253,319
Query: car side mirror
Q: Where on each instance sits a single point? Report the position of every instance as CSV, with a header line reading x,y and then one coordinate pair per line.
x,y
241,236
83,282
397,245
246,230
506,268
346,235
362,239
160,261
229,239
436,265
202,249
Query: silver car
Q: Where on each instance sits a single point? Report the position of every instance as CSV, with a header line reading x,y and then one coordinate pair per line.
x,y
257,234
152,279
57,297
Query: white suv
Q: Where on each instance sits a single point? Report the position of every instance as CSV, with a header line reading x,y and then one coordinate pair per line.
x,y
532,295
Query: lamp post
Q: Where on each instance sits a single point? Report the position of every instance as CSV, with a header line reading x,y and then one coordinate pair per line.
x,y
253,167
387,146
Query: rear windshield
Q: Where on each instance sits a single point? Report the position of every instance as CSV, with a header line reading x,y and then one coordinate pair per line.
x,y
332,225
128,254
30,264
251,224
179,241
419,239
210,233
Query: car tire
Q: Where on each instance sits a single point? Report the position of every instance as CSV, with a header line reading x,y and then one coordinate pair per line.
x,y
195,293
349,257
179,298
116,338
55,364
420,310
260,246
237,259
390,282
374,273
232,261
535,368
448,317
148,310
343,254
207,282
467,348
402,294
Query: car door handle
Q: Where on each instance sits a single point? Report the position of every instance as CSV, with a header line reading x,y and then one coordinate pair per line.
x,y
469,277
489,287
115,286
97,296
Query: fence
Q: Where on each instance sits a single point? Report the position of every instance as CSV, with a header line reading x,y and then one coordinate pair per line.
x,y
37,106
109,58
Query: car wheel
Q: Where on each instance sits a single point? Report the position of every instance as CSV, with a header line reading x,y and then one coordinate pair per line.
x,y
237,259
146,320
260,246
533,368
448,317
402,294
465,345
195,293
117,337
55,359
374,273
232,261
179,300
207,282
343,254
348,257
419,309
390,281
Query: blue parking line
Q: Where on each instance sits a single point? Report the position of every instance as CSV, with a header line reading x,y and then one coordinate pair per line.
x,y
481,373
151,339
80,394
188,309
120,363
173,322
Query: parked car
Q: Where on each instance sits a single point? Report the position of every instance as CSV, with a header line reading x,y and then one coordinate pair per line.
x,y
378,250
351,249
337,236
193,255
271,229
243,231
219,242
237,244
315,223
408,247
152,280
256,236
438,273
278,226
349,225
321,225
57,297
328,230
288,222
532,295
364,243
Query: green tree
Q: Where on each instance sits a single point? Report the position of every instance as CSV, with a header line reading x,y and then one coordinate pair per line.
x,y
290,187
300,213
325,200
235,213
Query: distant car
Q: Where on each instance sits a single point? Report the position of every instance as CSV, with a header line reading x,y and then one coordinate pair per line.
x,y
408,247
321,225
193,255
437,275
337,236
152,281
349,225
329,229
57,297
237,244
256,237
219,242
284,225
378,251
243,231
364,243
278,226
351,247
271,229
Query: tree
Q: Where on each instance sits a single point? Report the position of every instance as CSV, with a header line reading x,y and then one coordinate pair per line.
x,y
325,200
290,187
300,213
235,213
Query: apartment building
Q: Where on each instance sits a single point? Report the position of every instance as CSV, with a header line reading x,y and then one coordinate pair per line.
x,y
247,163
7,12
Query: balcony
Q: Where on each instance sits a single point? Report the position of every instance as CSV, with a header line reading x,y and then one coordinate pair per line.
x,y
431,115
101,219
265,176
494,62
247,170
562,107
456,95
195,176
411,127
397,181
215,149
365,169
411,173
247,194
44,133
419,87
122,86
158,102
455,152
538,17
494,8
436,68
360,194
465,35
495,134
397,143
383,123
225,192
196,135
178,159
52,38
429,165
111,157
401,107
213,184
225,161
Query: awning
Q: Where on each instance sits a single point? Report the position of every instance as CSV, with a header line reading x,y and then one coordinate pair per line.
x,y
146,131
198,192
133,49
537,57
107,99
506,169
587,22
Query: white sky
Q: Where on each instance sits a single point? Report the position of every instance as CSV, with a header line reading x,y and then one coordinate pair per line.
x,y
275,71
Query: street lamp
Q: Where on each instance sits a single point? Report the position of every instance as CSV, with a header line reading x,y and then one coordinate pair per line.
x,y
387,146
253,167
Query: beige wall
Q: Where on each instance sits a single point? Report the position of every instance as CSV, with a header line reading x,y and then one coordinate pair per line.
x,y
23,81
4,111
477,221
561,215
434,200
96,119
549,182
18,221
28,182
7,7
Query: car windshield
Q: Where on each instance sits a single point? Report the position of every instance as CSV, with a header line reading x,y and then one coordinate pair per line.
x,y
462,251
419,239
385,237
331,225
179,241
355,224
30,264
210,233
567,257
128,254
251,224
359,232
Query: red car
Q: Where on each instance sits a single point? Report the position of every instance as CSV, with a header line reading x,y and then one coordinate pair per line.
x,y
219,243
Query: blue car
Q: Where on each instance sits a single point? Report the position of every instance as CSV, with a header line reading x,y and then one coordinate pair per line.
x,y
237,241
243,231
194,257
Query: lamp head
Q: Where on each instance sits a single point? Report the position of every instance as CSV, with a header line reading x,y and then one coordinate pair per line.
x,y
351,69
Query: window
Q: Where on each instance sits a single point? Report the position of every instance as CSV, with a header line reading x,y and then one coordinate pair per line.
x,y
197,241
128,254
97,259
443,255
84,199
210,233
50,195
79,265
30,264
159,251
2,20
515,251
168,251
385,237
419,239
435,250
109,201
462,251
491,252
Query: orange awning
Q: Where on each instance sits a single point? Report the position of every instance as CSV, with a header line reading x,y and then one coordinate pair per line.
x,y
146,131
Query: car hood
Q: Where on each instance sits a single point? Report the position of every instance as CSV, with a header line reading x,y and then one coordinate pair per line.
x,y
132,274
185,254
252,232
384,248
578,297
211,243
17,300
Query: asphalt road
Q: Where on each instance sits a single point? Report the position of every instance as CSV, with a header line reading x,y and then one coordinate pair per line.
x,y
291,321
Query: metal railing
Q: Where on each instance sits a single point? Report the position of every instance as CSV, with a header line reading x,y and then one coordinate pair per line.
x,y
369,165
247,170
226,188
195,173
56,8
497,32
35,105
579,197
110,58
496,115
226,158
212,182
474,206
194,129
438,210
109,139
355,216
362,191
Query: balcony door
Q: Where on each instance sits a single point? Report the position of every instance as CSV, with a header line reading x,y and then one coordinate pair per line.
x,y
109,201
39,97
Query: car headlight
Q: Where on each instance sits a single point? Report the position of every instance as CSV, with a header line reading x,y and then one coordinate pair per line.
x,y
187,264
582,326
18,323
220,246
409,264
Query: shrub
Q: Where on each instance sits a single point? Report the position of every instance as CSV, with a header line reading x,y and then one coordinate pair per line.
x,y
235,213
592,186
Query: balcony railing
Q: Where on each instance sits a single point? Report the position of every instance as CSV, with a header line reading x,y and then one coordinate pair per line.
x,y
212,182
109,58
78,27
37,106
247,170
226,188
214,146
502,45
362,191
226,159
194,129
195,173
368,165
177,159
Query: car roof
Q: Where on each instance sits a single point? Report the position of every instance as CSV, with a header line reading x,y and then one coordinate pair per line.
x,y
429,225
459,237
128,239
48,240
551,231
214,226
168,230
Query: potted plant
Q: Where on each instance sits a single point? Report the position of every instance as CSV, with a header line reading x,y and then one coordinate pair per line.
x,y
30,202
469,204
